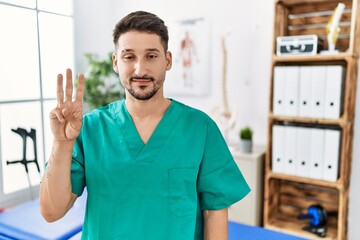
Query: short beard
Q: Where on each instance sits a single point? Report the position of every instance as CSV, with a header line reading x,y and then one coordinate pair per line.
x,y
143,97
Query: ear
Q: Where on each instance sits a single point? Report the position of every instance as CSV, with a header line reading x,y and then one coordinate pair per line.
x,y
168,60
115,62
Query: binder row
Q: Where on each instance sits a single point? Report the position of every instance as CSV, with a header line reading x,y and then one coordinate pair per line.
x,y
306,152
309,91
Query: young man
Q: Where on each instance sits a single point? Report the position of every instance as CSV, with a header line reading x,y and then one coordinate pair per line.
x,y
153,167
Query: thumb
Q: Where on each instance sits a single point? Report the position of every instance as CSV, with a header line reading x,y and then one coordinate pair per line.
x,y
65,112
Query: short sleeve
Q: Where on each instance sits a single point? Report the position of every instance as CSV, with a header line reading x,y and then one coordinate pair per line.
x,y
220,182
78,181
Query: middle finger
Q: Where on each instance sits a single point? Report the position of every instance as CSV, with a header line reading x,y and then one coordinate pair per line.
x,y
69,85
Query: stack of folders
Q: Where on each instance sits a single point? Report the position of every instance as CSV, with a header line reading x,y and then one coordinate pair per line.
x,y
306,151
308,91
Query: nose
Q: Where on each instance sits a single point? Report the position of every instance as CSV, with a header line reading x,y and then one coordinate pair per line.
x,y
140,68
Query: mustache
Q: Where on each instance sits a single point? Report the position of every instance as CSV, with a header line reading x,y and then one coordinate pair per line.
x,y
141,78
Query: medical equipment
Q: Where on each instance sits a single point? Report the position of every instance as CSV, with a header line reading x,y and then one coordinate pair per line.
x,y
24,134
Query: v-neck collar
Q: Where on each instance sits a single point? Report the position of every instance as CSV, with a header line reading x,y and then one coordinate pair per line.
x,y
137,148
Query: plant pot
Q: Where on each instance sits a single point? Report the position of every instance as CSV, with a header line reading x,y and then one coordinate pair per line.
x,y
245,145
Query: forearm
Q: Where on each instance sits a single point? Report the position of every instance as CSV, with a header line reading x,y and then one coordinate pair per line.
x,y
216,224
55,190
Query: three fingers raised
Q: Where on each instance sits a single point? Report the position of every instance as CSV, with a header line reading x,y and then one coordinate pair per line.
x,y
69,87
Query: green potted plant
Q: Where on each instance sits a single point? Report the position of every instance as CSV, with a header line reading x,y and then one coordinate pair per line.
x,y
102,84
246,135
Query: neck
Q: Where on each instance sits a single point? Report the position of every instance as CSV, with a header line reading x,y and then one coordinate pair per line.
x,y
156,106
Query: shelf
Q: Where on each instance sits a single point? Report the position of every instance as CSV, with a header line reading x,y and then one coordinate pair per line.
x,y
341,122
287,196
313,58
282,223
317,182
301,2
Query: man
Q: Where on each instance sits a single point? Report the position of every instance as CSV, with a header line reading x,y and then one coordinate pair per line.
x,y
153,167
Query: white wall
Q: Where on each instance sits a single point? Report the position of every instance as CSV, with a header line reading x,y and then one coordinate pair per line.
x,y
93,26
249,63
249,55
354,207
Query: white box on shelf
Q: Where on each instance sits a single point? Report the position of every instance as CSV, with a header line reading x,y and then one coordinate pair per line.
x,y
318,86
334,91
290,150
304,91
278,150
279,90
317,153
291,91
303,152
331,155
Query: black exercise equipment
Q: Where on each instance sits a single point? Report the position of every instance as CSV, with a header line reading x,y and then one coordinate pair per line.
x,y
24,134
319,231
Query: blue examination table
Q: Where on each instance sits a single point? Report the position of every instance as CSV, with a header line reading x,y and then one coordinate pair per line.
x,y
25,222
239,231
245,232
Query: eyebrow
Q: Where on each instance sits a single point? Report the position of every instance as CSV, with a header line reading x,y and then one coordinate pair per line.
x,y
126,50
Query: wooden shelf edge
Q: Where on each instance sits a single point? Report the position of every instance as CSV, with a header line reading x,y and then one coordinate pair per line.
x,y
293,229
341,121
336,185
313,58
296,2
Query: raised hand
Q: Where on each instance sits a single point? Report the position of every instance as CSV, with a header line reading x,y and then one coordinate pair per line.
x,y
66,118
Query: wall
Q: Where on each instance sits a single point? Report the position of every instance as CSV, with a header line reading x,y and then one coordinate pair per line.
x,y
93,26
249,63
354,207
249,56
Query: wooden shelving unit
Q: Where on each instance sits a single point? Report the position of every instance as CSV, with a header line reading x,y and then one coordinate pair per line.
x,y
287,196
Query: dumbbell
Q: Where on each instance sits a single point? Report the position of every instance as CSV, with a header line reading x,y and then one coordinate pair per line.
x,y
317,215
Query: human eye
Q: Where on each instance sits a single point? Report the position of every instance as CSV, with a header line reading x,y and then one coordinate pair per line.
x,y
152,56
128,57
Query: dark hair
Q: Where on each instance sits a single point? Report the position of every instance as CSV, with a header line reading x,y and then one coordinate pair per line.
x,y
143,22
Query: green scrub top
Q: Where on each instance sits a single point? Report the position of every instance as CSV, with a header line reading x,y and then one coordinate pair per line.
x,y
155,190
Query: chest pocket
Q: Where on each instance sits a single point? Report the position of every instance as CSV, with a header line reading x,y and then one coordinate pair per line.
x,y
183,195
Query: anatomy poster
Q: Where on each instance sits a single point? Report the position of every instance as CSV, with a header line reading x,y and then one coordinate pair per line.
x,y
190,46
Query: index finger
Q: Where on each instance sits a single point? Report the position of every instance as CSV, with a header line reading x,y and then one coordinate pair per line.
x,y
59,89
69,85
80,88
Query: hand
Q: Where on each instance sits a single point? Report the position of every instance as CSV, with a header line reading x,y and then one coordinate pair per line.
x,y
66,118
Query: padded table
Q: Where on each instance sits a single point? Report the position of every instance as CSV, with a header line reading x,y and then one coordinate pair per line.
x,y
25,222
239,231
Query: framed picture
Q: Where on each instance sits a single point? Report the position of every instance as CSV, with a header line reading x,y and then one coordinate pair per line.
x,y
190,46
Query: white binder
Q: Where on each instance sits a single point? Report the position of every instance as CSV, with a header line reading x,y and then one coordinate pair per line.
x,y
279,90
317,153
291,91
278,140
290,150
303,152
318,84
334,89
304,91
331,155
